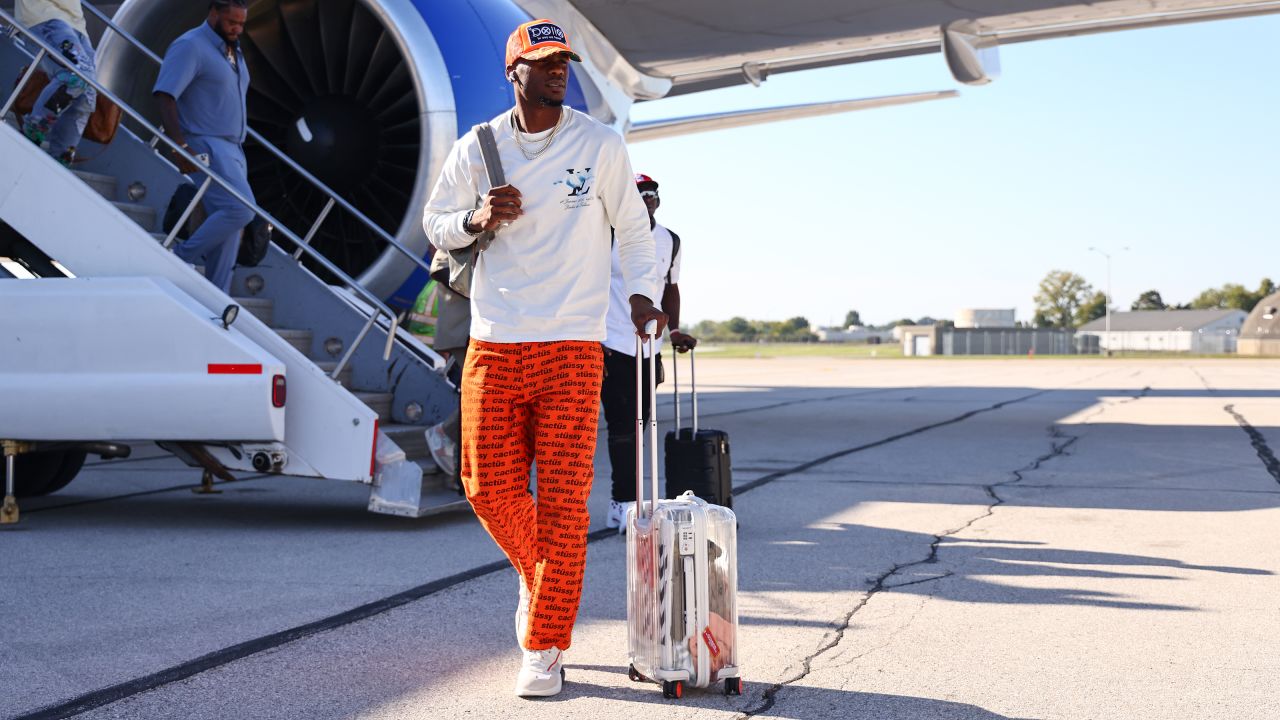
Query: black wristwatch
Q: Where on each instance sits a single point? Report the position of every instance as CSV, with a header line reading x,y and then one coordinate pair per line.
x,y
466,222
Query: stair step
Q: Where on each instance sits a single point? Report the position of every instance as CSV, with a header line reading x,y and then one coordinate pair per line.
x,y
411,438
300,339
263,308
141,214
105,185
378,402
344,377
431,472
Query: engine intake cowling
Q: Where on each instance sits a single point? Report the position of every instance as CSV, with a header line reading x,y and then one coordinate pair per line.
x,y
367,95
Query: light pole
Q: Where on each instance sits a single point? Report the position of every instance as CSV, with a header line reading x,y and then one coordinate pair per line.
x,y
1107,305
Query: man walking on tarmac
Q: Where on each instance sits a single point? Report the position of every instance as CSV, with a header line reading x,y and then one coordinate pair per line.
x,y
618,394
531,383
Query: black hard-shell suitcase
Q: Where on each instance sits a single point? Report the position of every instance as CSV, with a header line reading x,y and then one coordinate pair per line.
x,y
697,459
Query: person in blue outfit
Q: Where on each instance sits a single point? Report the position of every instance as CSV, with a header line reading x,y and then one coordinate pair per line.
x,y
201,90
63,108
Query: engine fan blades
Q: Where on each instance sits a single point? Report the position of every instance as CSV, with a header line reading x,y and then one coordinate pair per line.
x,y
332,89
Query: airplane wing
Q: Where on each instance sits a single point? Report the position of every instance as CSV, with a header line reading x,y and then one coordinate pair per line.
x,y
657,129
656,48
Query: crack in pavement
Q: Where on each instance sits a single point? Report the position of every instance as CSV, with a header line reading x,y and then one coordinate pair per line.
x,y
924,600
770,695
765,480
114,693
1256,439
1258,442
1057,449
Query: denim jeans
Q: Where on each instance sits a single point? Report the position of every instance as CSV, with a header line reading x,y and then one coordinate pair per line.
x,y
217,241
64,106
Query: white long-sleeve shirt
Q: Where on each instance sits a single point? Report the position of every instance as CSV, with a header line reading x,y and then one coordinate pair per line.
x,y
545,277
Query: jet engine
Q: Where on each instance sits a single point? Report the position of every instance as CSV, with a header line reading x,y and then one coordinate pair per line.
x,y
366,95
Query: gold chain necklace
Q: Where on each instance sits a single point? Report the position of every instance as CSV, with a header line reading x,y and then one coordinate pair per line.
x,y
542,144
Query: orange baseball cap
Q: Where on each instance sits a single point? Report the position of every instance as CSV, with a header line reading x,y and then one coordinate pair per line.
x,y
537,39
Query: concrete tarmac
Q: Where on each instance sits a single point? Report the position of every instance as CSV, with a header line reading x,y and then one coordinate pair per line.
x,y
928,538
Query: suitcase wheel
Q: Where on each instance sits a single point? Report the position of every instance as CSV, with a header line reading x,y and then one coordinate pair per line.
x,y
673,689
633,674
733,686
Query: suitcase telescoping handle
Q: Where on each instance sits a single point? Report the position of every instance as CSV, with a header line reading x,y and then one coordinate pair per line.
x,y
651,332
693,387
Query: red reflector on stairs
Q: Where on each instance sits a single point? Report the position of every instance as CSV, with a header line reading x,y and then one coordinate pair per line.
x,y
373,461
234,369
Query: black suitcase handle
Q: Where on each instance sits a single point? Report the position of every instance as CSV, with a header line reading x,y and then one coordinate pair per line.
x,y
693,386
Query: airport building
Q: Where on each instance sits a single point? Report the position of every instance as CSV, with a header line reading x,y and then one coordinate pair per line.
x,y
1260,334
921,340
1193,331
854,333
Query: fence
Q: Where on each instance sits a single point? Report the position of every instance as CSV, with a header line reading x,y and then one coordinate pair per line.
x,y
1013,341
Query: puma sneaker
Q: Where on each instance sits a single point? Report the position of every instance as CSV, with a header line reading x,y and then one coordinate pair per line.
x,y
618,512
541,674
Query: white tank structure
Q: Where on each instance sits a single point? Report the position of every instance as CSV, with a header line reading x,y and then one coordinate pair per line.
x,y
1260,334
984,318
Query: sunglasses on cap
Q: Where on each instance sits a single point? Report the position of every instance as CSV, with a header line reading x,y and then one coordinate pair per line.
x,y
649,194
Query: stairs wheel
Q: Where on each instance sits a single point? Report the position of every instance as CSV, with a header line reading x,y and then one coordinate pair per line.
x,y
43,472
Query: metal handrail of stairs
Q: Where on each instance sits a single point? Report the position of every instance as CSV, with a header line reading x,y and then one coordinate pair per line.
x,y
334,198
379,308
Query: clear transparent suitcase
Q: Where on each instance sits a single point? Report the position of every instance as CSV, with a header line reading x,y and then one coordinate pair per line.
x,y
682,580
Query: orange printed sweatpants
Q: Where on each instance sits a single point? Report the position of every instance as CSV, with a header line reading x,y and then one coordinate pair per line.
x,y
526,404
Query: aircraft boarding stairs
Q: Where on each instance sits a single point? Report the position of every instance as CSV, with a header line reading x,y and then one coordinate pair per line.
x,y
129,302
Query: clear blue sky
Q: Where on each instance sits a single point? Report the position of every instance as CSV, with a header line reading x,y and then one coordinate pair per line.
x,y
1165,140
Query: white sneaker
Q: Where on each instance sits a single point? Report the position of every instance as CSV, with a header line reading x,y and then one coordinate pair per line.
x,y
541,674
618,514
522,613
442,449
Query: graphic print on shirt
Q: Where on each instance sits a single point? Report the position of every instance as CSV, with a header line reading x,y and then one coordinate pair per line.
x,y
579,185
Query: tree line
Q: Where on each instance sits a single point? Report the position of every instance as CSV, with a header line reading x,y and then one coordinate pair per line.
x,y
739,329
1063,300
1066,300
796,329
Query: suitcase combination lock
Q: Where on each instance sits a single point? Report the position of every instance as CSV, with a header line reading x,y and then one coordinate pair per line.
x,y
688,539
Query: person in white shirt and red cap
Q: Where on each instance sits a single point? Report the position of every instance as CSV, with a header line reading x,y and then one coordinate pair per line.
x,y
539,295
618,394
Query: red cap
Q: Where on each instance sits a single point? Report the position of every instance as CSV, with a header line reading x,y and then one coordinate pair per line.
x,y
645,180
537,39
